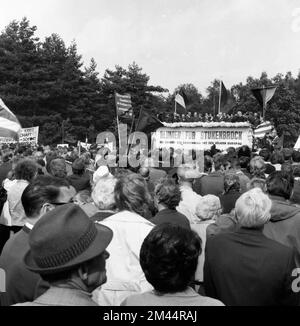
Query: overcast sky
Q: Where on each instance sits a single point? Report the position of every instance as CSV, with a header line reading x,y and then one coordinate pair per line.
x,y
174,41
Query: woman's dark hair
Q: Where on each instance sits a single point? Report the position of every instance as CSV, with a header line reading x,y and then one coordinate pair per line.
x,y
26,170
168,193
131,193
296,156
231,183
244,162
244,151
169,258
279,185
277,158
265,154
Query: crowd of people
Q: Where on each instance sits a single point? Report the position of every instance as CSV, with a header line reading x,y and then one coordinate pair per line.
x,y
74,231
253,118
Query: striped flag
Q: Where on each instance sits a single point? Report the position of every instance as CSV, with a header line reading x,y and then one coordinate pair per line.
x,y
124,106
9,124
263,129
180,100
264,95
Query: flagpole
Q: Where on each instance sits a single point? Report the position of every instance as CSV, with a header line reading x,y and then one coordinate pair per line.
x,y
264,106
175,105
119,136
135,128
220,95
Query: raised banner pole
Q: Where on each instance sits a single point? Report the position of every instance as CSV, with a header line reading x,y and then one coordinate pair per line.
x,y
220,95
116,102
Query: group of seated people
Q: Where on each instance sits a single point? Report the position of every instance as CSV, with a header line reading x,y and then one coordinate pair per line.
x,y
228,235
253,118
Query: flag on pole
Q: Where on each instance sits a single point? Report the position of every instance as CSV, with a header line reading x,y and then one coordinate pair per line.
x,y
124,106
179,99
182,100
224,94
9,124
147,123
263,129
223,99
264,95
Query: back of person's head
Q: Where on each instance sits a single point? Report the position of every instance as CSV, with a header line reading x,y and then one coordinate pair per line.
x,y
231,182
167,193
235,163
78,166
279,185
209,208
296,156
25,169
265,154
131,193
58,168
44,189
287,171
257,166
244,151
208,162
258,183
296,171
252,209
103,193
244,162
219,164
277,158
187,173
287,154
144,172
83,197
169,258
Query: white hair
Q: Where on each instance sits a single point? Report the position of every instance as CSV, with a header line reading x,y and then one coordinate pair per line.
x,y
103,193
209,208
253,208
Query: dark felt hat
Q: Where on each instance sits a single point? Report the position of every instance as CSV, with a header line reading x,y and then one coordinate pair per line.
x,y
65,238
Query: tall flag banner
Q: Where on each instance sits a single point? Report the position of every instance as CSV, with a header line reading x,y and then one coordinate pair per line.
x,y
147,123
9,124
263,129
124,106
179,100
223,98
182,100
264,95
224,94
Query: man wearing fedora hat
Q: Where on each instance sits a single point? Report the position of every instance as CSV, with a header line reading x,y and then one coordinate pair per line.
x,y
68,250
42,195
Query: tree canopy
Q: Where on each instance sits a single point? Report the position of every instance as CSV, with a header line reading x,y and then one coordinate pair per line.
x,y
46,84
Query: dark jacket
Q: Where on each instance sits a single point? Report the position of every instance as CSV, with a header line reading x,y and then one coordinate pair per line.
x,y
284,225
228,200
80,182
244,268
21,284
212,184
171,216
4,169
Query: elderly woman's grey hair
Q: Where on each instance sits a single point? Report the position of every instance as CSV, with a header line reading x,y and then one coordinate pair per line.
x,y
209,208
103,193
252,209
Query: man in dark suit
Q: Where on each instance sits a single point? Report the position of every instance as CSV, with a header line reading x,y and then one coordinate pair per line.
x,y
213,183
41,196
244,268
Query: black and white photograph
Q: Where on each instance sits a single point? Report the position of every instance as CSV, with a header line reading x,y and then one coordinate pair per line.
x,y
150,156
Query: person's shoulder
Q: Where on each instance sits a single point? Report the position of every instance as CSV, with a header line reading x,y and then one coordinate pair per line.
x,y
141,299
207,301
